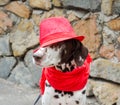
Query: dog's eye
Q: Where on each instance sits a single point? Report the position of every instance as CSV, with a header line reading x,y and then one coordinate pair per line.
x,y
37,58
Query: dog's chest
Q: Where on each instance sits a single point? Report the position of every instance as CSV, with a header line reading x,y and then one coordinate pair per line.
x,y
56,97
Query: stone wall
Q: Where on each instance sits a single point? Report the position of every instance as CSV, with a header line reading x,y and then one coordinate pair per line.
x,y
98,20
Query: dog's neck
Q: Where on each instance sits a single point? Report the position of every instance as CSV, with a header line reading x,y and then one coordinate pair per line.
x,y
70,65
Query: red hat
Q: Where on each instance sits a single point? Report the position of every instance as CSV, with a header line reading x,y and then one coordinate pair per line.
x,y
56,29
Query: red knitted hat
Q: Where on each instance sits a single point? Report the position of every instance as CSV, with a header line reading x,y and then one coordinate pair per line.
x,y
56,29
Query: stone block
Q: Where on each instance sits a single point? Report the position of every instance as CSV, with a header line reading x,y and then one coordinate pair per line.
x,y
114,24
106,7
102,68
84,4
4,2
4,46
57,3
88,28
116,7
6,65
41,4
23,37
107,51
19,9
5,22
21,75
109,36
33,68
105,93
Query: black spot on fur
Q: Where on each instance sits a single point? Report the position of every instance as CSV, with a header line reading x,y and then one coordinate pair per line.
x,y
69,63
59,67
77,102
56,96
114,104
72,67
69,93
62,94
47,85
58,91
65,70
60,104
84,91
73,49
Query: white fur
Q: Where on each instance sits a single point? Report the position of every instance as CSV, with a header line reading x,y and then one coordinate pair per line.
x,y
48,97
51,57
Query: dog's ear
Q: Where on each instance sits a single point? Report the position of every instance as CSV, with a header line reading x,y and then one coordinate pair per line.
x,y
74,50
84,51
81,53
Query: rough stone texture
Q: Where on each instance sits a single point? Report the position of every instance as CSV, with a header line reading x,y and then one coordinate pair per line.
x,y
34,69
4,2
116,7
6,65
89,30
80,14
72,16
106,93
106,7
42,4
117,53
102,18
102,68
53,13
4,46
15,19
92,101
57,3
107,51
84,4
19,9
21,39
118,39
109,36
36,18
5,22
22,75
114,24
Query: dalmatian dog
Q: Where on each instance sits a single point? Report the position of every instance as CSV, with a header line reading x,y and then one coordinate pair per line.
x,y
64,56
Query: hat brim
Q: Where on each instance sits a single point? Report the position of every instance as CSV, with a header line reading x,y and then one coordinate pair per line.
x,y
58,38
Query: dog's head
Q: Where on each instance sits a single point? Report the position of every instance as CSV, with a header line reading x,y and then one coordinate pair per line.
x,y
61,54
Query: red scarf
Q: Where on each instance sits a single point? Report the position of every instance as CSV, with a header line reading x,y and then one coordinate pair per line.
x,y
69,81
